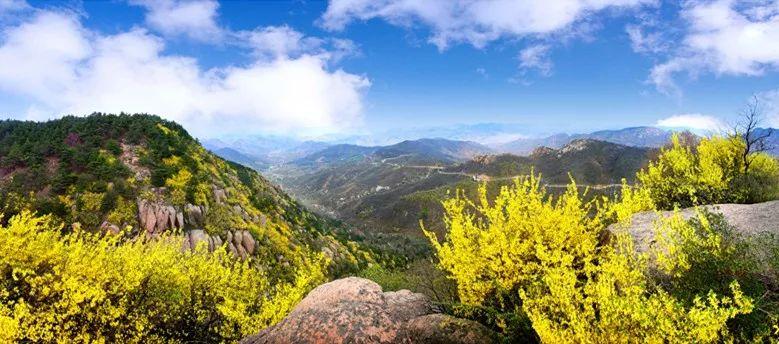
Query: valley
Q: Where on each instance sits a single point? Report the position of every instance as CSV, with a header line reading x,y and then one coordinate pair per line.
x,y
390,189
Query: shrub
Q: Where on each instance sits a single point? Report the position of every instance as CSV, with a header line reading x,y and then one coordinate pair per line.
x,y
83,287
526,252
706,254
711,172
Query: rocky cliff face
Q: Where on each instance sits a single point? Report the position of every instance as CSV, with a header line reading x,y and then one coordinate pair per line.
x,y
355,310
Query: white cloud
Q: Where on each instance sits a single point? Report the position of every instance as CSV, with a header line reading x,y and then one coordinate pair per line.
x,y
277,41
536,57
646,42
64,68
476,22
696,122
283,41
724,37
193,18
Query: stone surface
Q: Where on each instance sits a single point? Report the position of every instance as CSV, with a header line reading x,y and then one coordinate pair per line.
x,y
108,227
446,329
748,219
156,217
355,310
195,236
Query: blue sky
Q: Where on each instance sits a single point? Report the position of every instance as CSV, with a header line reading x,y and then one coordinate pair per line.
x,y
311,68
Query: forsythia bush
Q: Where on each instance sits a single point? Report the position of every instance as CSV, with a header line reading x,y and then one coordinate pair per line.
x,y
549,259
82,287
711,172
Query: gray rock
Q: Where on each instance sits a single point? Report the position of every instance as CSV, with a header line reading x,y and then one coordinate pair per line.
x,y
241,251
197,236
171,216
219,195
748,219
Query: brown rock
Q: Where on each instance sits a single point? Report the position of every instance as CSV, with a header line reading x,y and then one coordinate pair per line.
x,y
355,310
180,220
231,248
237,238
248,242
108,227
150,220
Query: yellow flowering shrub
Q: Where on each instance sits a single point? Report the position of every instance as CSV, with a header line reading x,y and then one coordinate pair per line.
x,y
547,257
83,287
494,248
711,172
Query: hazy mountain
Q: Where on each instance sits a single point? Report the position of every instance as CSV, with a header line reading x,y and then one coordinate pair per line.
x,y
424,151
635,137
434,150
334,155
241,158
264,149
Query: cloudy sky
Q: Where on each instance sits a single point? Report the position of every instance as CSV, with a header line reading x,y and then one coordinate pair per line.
x,y
311,68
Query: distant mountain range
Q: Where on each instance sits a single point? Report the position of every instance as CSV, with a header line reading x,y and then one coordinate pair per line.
x,y
261,152
432,151
635,137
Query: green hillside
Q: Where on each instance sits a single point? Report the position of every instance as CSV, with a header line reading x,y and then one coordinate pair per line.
x,y
140,172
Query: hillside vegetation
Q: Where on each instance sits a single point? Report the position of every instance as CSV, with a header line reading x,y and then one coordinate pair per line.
x,y
543,267
103,180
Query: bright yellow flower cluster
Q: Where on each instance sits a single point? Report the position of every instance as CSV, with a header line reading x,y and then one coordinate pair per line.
x,y
82,287
575,283
711,172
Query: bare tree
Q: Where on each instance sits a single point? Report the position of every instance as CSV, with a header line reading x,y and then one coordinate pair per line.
x,y
747,128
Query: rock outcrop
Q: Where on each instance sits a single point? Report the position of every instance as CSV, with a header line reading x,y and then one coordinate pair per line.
x,y
156,217
355,310
747,219
240,243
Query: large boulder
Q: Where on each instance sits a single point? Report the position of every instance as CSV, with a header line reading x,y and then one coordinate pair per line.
x,y
355,310
747,219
